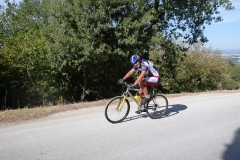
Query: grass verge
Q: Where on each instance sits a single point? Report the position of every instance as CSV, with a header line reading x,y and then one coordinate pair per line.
x,y
18,115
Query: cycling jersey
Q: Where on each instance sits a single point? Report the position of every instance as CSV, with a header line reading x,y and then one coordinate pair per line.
x,y
152,75
149,67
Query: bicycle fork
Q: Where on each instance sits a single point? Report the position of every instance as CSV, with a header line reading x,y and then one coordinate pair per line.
x,y
121,103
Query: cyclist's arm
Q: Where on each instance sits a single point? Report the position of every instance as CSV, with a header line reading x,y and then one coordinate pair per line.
x,y
140,77
128,74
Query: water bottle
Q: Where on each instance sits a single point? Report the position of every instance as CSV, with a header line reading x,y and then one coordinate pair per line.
x,y
138,98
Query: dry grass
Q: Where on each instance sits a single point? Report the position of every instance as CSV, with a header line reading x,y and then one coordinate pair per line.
x,y
12,116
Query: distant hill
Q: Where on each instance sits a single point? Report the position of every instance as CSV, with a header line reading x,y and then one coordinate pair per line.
x,y
232,55
231,51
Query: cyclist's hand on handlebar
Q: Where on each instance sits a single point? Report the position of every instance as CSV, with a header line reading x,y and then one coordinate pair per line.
x,y
121,81
130,85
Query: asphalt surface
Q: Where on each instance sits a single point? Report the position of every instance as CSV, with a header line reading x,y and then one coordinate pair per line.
x,y
196,127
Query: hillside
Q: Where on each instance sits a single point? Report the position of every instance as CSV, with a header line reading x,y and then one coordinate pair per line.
x,y
232,55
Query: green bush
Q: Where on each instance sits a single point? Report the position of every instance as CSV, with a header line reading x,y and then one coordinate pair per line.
x,y
234,72
203,69
232,79
230,84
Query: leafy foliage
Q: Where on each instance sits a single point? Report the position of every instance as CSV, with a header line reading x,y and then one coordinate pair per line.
x,y
232,79
24,52
202,70
78,49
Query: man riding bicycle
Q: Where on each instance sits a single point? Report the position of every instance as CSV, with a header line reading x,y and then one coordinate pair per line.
x,y
150,76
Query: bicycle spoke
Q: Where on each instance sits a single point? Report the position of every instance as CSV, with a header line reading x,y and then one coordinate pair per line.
x,y
157,107
117,110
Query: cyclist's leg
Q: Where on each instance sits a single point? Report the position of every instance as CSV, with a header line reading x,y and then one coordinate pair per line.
x,y
150,82
142,85
150,90
145,83
141,94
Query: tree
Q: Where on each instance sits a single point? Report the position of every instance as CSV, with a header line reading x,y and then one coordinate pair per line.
x,y
232,79
203,69
183,22
186,20
23,49
89,40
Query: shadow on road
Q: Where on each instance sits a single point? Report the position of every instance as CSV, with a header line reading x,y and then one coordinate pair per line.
x,y
233,150
135,117
174,109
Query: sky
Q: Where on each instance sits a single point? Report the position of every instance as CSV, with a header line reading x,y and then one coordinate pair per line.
x,y
223,35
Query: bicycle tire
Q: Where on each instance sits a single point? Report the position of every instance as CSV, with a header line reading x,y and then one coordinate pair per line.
x,y
157,106
115,115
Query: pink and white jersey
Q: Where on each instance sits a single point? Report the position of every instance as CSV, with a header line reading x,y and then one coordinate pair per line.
x,y
149,67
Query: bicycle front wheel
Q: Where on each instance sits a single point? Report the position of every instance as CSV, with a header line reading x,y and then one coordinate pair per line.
x,y
117,109
157,107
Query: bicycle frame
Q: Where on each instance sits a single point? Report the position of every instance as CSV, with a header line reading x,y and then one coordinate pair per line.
x,y
127,92
118,107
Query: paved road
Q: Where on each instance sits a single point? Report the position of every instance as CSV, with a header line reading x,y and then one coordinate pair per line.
x,y
196,127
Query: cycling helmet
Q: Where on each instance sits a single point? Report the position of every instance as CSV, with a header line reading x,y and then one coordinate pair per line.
x,y
134,58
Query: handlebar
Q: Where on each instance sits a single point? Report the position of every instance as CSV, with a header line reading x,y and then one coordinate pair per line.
x,y
128,86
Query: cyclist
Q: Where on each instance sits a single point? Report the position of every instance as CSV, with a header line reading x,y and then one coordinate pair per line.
x,y
150,76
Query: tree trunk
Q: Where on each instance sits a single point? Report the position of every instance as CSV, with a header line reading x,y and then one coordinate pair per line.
x,y
5,100
84,86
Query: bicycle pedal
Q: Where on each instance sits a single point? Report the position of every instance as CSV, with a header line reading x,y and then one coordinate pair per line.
x,y
138,112
143,110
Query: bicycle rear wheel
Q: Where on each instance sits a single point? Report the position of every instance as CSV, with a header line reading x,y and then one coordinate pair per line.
x,y
117,109
157,106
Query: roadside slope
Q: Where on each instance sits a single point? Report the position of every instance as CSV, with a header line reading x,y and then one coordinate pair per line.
x,y
27,114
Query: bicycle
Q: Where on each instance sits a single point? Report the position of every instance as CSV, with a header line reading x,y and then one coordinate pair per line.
x,y
117,109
